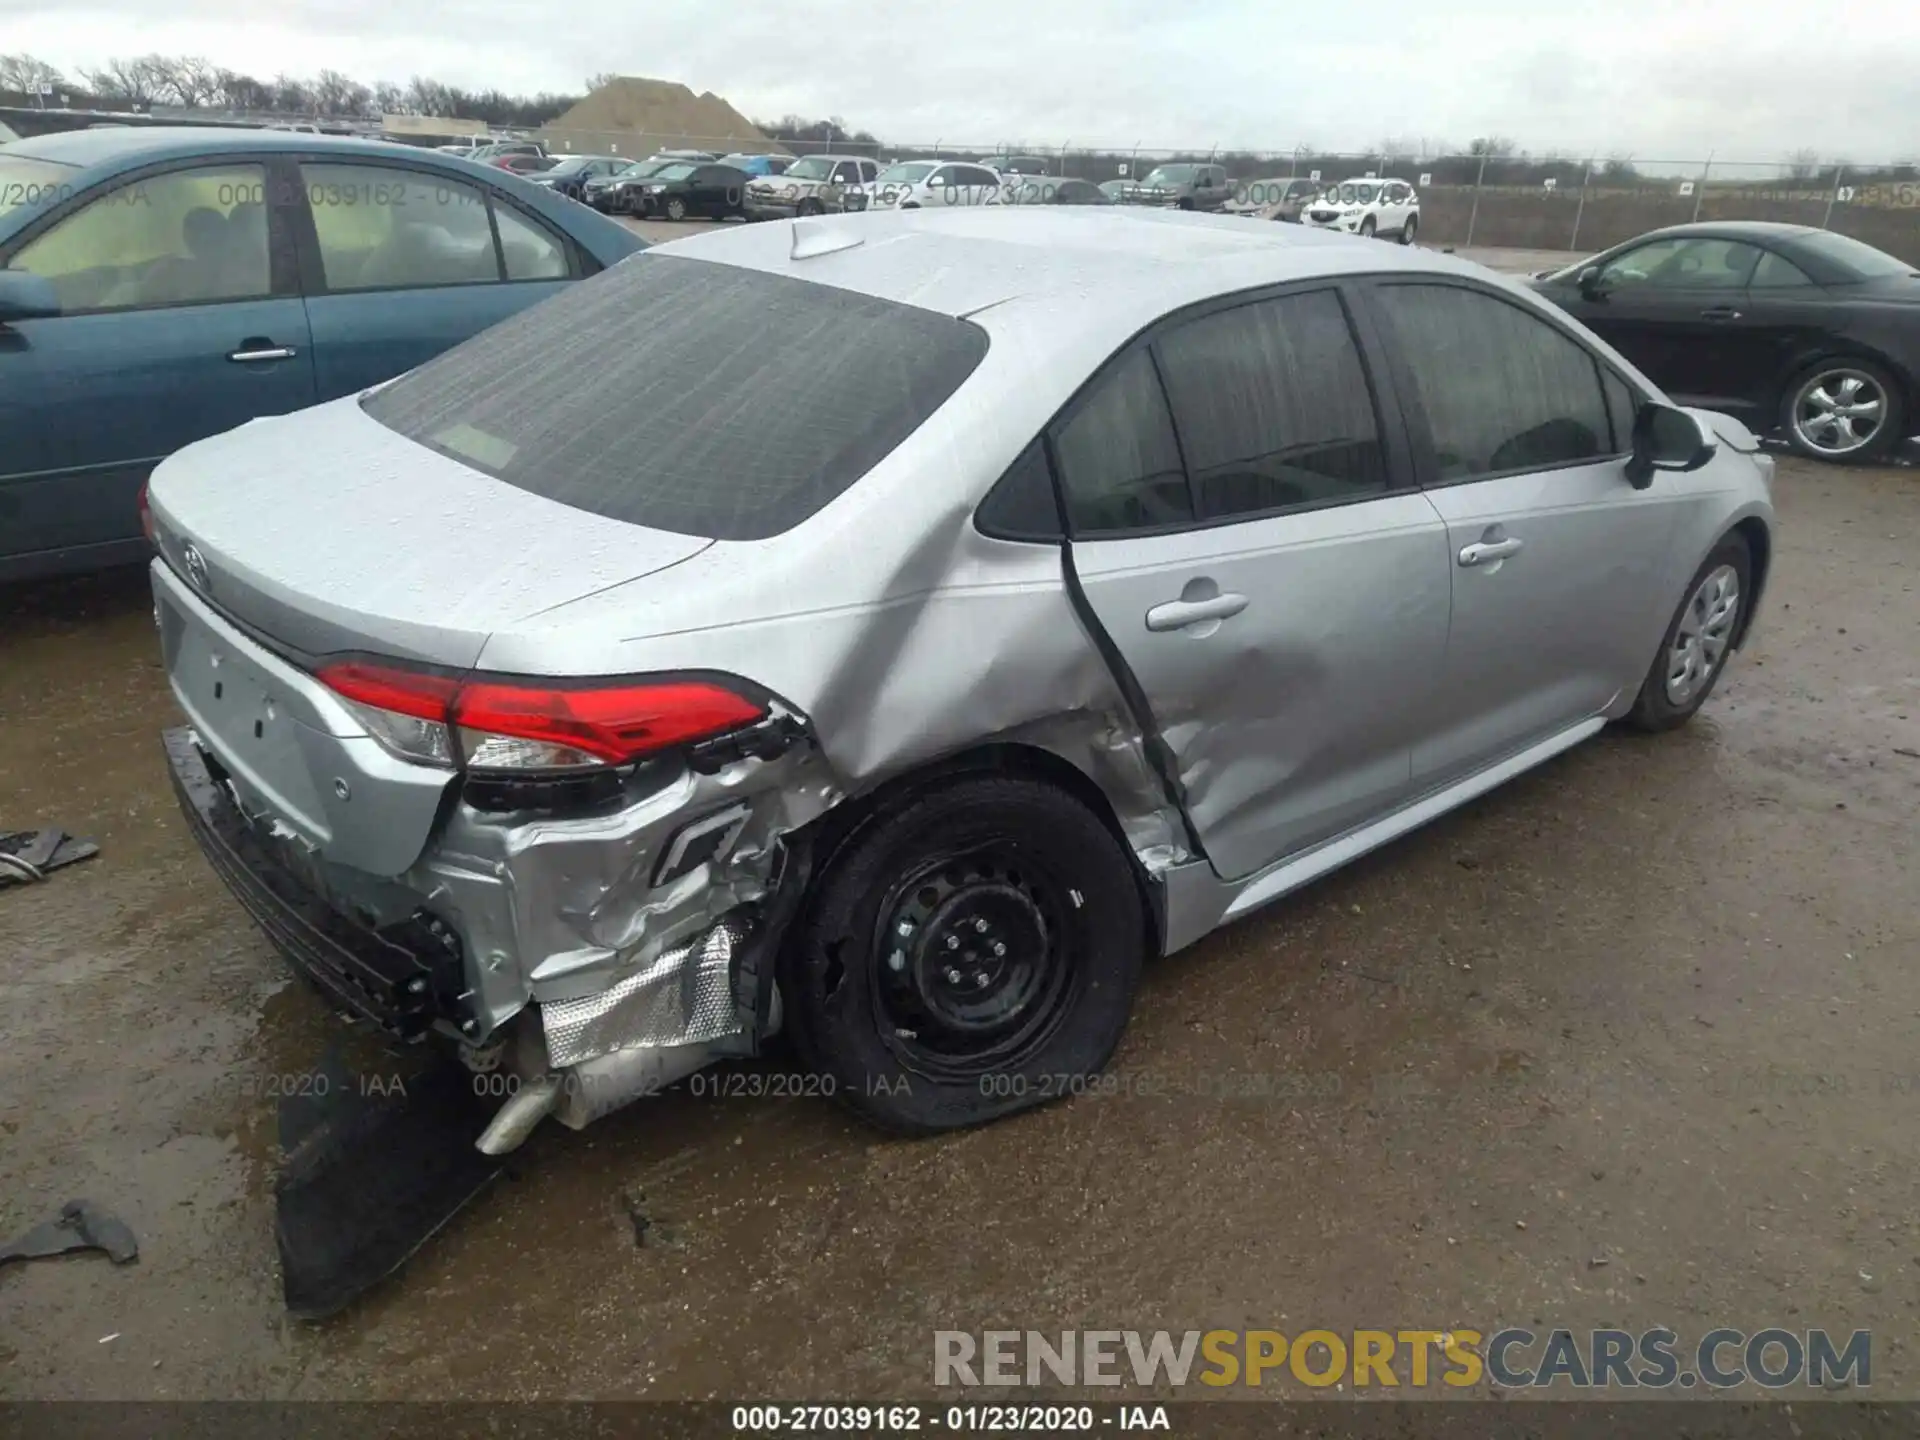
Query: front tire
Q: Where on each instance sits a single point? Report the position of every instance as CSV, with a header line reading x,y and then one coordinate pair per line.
x,y
676,208
1842,410
1366,227
968,953
1698,641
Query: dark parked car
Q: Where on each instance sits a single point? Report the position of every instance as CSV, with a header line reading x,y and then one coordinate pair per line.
x,y
1795,330
684,188
569,177
158,286
614,194
1016,164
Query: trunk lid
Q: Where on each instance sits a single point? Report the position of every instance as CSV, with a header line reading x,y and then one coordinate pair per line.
x,y
325,531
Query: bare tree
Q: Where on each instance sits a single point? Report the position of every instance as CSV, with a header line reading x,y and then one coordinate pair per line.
x,y
139,81
293,95
1618,166
1497,147
188,80
388,98
26,75
1803,164
243,92
338,94
429,97
600,81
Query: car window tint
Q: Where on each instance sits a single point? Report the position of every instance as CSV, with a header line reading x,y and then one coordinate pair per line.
x,y
1776,272
192,237
1119,463
1698,263
973,175
1501,389
382,228
1272,406
531,252
1020,505
846,172
687,396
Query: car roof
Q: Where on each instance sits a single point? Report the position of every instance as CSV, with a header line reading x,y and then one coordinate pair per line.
x,y
134,145
1732,230
1026,270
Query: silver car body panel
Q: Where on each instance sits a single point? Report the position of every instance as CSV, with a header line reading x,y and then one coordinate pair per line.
x,y
1297,738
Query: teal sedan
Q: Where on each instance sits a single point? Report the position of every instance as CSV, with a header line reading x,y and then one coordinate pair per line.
x,y
160,285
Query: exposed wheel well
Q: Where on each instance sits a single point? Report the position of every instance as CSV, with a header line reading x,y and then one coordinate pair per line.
x,y
832,830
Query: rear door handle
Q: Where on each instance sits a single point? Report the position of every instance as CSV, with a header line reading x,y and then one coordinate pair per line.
x,y
253,351
1178,614
1485,552
1720,312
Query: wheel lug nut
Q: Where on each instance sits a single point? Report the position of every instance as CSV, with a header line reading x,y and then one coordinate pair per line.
x,y
953,942
980,927
999,950
980,978
953,976
903,929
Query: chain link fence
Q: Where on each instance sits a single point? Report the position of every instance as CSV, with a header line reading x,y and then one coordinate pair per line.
x,y
1506,201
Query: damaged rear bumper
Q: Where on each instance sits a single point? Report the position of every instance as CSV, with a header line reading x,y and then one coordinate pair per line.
x,y
707,995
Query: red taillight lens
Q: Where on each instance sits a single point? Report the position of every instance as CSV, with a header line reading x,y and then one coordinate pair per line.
x,y
615,724
146,515
532,725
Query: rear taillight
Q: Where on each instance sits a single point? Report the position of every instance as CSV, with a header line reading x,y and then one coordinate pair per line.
x,y
146,515
515,724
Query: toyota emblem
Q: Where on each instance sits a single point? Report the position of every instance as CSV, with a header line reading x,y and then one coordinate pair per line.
x,y
196,566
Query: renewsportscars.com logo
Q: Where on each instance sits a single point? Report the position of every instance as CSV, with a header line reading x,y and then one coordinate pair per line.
x,y
1772,1358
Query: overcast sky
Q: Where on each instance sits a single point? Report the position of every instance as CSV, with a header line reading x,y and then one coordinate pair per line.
x,y
1660,79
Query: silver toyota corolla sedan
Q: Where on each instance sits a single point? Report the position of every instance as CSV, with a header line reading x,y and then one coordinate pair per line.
x,y
890,630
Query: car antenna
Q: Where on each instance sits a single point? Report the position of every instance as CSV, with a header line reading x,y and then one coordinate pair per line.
x,y
813,237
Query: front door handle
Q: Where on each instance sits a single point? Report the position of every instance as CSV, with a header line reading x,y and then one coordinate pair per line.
x,y
1720,312
1485,552
1178,614
255,350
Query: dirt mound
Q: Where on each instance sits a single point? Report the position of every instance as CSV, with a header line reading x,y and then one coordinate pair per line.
x,y
662,112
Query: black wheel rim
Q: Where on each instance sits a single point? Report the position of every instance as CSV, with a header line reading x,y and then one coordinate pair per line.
x,y
977,958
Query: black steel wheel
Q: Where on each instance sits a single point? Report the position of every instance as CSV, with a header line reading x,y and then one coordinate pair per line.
x,y
967,953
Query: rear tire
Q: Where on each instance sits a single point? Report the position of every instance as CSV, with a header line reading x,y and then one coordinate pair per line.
x,y
1698,640
676,208
1809,411
969,952
1410,229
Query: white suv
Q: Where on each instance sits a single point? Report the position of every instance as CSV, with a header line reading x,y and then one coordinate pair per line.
x,y
1367,207
924,184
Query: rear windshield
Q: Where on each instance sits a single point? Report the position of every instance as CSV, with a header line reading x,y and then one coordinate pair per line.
x,y
687,396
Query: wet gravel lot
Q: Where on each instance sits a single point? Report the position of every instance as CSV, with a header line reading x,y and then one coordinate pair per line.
x,y
1629,1042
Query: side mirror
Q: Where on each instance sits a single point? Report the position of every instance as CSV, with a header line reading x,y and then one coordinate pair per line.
x,y
1667,438
26,296
1590,283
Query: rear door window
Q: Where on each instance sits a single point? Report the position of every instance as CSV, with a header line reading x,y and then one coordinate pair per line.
x,y
1119,462
384,228
1273,407
688,396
